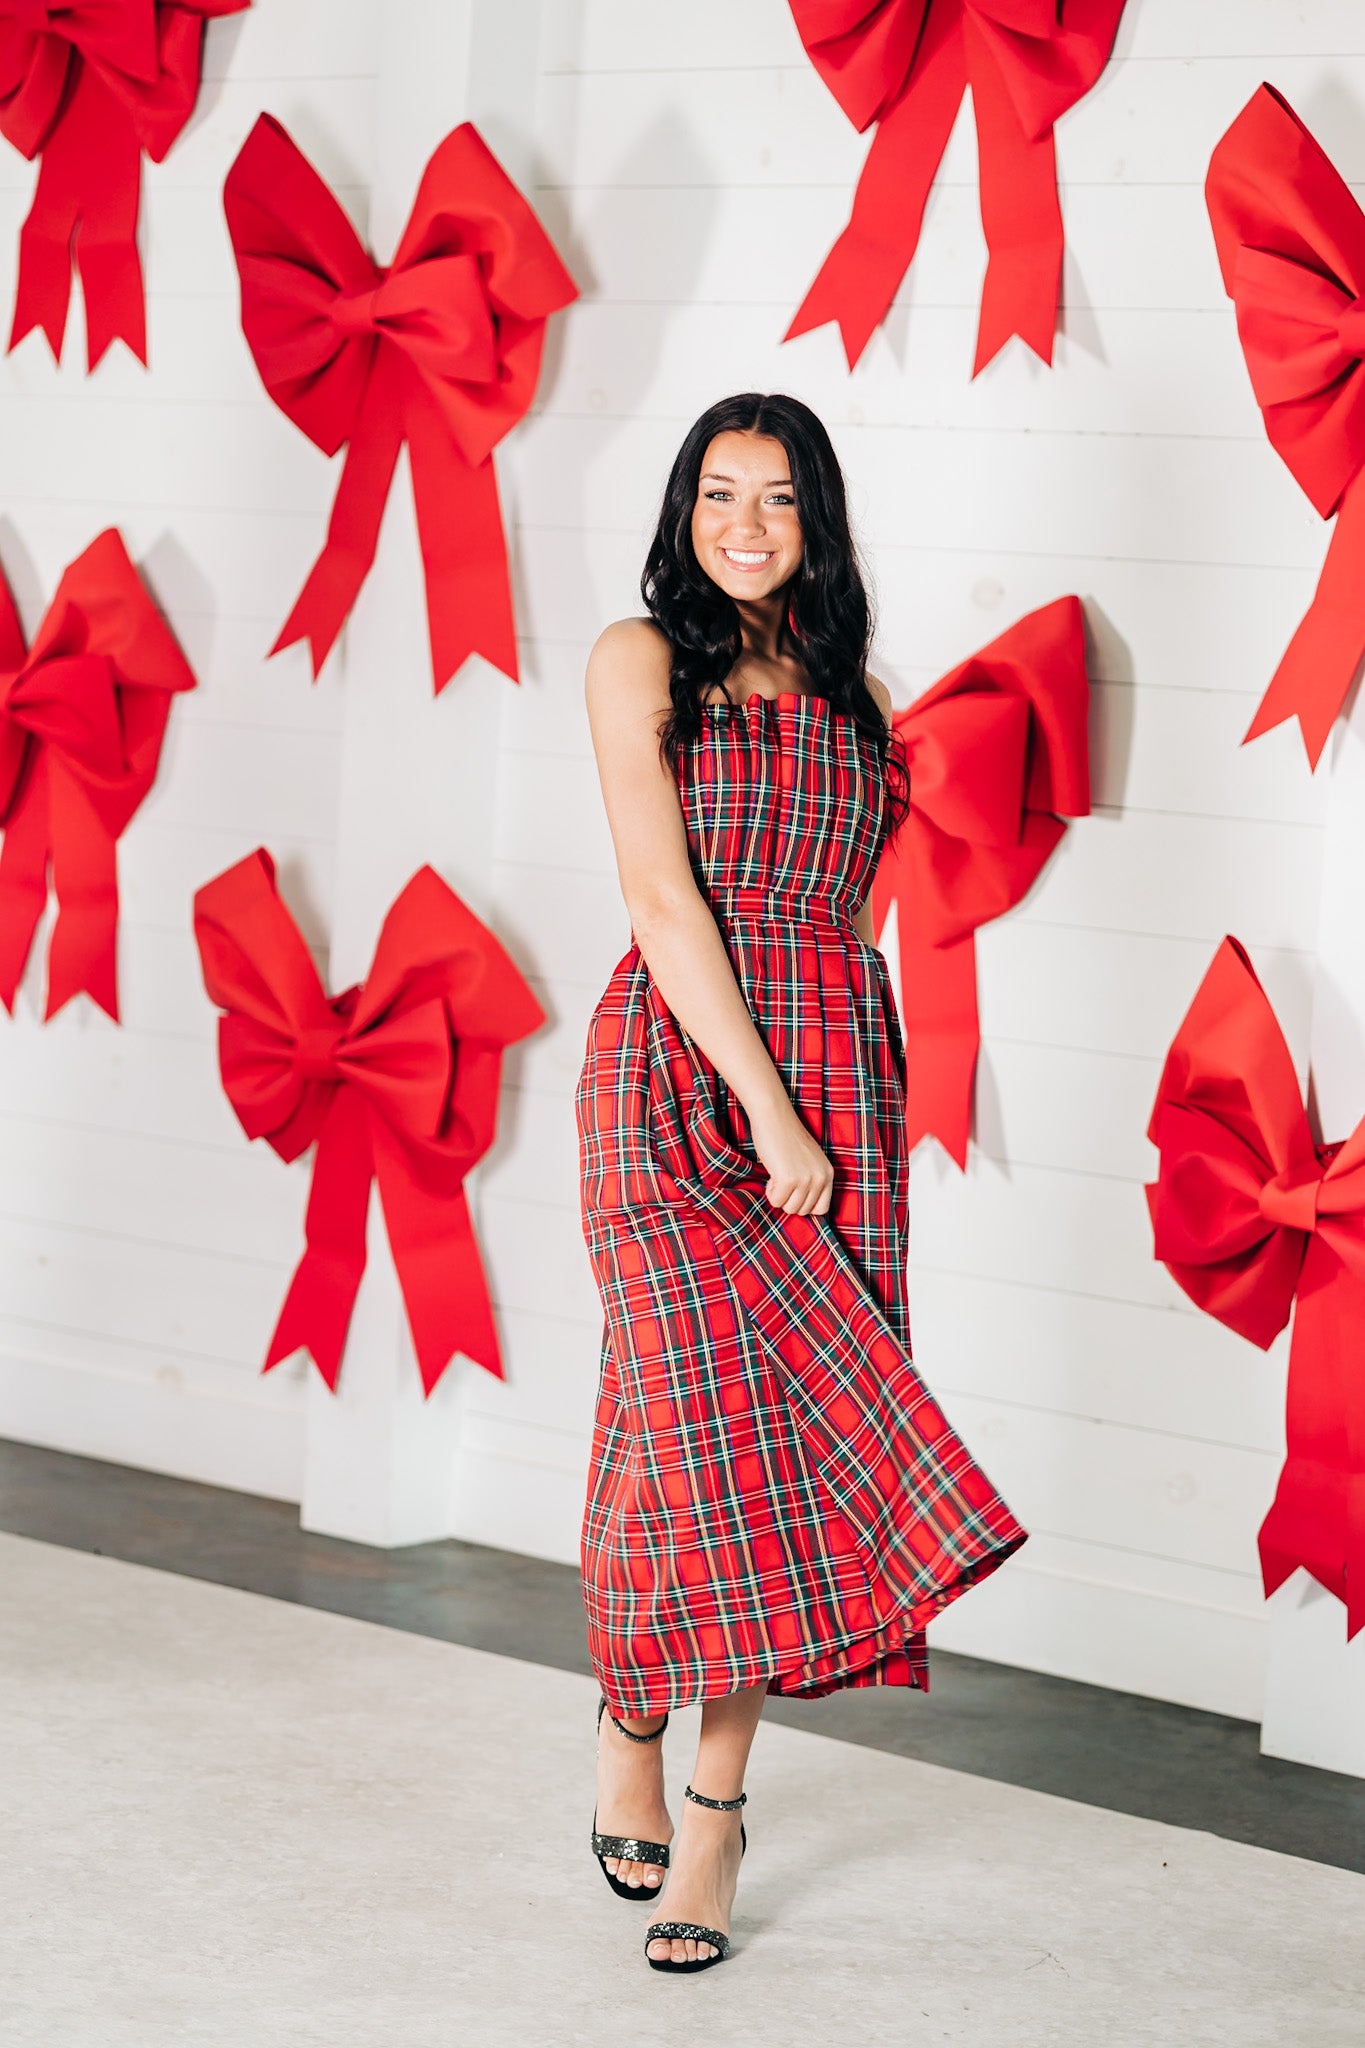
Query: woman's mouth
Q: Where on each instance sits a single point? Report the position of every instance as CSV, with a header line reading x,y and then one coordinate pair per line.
x,y
748,558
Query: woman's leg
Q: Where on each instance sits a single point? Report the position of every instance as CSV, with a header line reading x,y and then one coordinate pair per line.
x,y
704,1863
630,1794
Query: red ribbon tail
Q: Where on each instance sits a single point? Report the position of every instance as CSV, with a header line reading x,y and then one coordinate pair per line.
x,y
1021,214
106,158
464,553
42,296
436,1257
23,881
86,201
1353,1412
317,1309
1319,665
334,581
1313,1519
83,954
942,1036
1355,1546
106,239
863,271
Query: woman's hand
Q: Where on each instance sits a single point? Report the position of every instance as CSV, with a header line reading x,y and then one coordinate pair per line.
x,y
801,1178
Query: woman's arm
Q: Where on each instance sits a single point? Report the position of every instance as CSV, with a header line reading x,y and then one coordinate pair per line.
x,y
627,691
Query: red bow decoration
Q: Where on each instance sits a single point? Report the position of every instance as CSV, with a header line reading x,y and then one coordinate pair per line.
x,y
82,716
905,64
999,759
1250,1215
396,1080
441,350
1291,245
88,85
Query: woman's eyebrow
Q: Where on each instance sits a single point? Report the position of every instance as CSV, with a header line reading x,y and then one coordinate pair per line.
x,y
774,483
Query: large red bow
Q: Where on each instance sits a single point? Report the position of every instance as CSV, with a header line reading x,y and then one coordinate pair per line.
x,y
1249,1214
999,759
1291,244
396,1080
90,84
441,350
905,64
82,716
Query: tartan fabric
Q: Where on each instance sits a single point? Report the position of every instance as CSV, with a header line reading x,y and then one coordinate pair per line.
x,y
774,1495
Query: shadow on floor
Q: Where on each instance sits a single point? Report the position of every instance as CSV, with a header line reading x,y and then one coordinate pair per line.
x,y
1080,1742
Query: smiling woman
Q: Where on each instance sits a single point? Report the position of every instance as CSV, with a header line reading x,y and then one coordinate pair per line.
x,y
776,1504
745,529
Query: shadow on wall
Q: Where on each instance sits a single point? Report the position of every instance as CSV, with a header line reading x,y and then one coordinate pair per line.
x,y
1113,705
622,392
20,572
577,235
1335,115
219,64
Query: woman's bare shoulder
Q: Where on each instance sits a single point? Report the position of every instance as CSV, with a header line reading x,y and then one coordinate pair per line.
x,y
881,693
629,643
629,663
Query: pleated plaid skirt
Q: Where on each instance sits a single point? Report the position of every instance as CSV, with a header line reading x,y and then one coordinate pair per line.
x,y
775,1497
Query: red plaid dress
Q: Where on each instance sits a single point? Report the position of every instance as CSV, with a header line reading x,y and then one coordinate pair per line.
x,y
774,1493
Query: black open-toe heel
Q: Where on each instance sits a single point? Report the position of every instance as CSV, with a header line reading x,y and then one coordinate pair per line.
x,y
627,1847
687,1930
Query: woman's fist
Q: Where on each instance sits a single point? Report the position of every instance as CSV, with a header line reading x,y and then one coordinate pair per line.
x,y
800,1176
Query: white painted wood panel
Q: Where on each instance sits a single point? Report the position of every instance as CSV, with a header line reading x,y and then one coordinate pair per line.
x,y
618,35
1138,247
1120,992
140,1083
618,361
775,124
1189,626
693,170
697,171
156,1190
550,1384
1126,1364
145,1246
205,1304
1197,500
1135,1490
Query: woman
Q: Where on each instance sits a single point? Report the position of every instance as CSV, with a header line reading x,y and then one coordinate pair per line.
x,y
775,1504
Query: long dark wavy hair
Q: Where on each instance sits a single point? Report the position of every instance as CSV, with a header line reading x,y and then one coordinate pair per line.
x,y
829,617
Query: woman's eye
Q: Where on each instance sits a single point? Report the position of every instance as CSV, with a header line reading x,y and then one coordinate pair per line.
x,y
716,494
783,499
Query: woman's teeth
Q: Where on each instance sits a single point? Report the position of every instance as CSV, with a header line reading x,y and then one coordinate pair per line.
x,y
744,559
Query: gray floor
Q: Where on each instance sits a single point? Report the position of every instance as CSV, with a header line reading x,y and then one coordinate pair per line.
x,y
1105,1749
236,1822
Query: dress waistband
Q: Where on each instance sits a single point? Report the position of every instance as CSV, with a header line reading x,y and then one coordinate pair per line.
x,y
785,906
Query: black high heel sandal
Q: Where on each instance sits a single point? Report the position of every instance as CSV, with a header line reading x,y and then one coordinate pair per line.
x,y
687,1930
628,1847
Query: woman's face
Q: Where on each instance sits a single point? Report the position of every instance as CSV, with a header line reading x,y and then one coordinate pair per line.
x,y
745,529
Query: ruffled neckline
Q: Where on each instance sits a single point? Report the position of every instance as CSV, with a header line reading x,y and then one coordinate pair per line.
x,y
730,709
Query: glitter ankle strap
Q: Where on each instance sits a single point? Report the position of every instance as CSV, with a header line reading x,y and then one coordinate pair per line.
x,y
603,1708
717,1805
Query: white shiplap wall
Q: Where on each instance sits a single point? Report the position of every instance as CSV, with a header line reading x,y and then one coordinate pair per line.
x,y
693,171
144,1246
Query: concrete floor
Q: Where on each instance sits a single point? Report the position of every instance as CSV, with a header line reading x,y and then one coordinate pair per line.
x,y
237,1823
1138,1756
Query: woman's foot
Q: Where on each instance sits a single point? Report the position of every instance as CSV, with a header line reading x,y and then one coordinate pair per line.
x,y
702,1875
630,1796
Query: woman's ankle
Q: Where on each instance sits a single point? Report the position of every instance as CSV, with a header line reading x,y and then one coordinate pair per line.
x,y
642,1726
